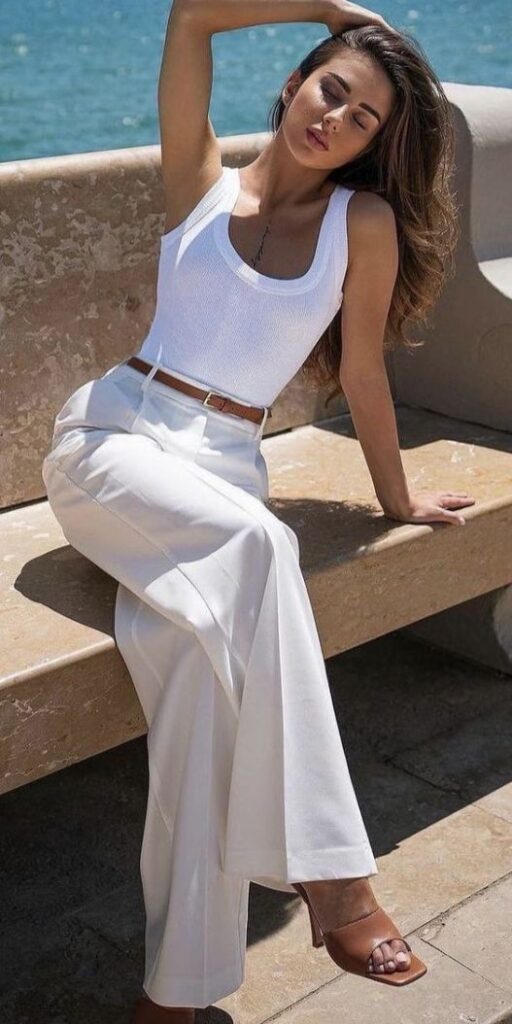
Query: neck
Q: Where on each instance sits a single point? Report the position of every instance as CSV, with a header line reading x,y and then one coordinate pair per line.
x,y
276,181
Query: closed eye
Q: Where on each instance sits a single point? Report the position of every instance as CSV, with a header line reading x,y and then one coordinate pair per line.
x,y
335,97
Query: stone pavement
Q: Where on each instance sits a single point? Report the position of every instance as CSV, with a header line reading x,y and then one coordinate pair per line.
x,y
427,738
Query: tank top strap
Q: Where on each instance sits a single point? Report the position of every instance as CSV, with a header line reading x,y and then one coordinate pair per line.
x,y
215,194
338,236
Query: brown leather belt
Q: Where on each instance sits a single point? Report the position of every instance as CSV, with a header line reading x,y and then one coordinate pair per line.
x,y
209,398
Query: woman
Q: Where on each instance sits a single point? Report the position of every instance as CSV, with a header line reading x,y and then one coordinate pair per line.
x,y
156,474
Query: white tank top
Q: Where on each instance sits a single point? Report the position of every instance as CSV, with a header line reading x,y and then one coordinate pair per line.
x,y
220,322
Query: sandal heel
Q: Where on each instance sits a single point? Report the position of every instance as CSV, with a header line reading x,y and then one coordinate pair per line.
x,y
316,931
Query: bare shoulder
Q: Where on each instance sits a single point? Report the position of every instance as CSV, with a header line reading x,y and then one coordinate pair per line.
x,y
370,211
371,222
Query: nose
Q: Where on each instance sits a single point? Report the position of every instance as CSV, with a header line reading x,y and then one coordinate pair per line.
x,y
336,117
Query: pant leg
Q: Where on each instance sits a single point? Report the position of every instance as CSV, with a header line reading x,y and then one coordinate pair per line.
x,y
212,560
196,915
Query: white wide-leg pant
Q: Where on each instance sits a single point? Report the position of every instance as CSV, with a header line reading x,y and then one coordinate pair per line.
x,y
248,778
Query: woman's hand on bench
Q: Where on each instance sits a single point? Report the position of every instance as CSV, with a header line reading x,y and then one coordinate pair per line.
x,y
433,507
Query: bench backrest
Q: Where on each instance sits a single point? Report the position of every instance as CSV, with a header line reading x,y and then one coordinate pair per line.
x,y
464,369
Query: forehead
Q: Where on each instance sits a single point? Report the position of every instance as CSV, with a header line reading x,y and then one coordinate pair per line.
x,y
362,74
358,61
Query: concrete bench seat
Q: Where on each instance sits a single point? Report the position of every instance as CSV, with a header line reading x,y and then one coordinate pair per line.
x,y
65,693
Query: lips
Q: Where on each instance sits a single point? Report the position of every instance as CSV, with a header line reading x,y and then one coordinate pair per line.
x,y
318,136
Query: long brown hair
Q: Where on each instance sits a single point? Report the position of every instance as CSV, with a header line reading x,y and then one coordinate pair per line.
x,y
410,163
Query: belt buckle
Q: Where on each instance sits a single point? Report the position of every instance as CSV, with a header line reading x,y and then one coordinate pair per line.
x,y
225,399
205,400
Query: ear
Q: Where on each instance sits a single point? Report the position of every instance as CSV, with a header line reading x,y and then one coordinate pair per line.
x,y
291,87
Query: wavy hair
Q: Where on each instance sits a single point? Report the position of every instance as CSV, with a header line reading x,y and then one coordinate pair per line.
x,y
410,162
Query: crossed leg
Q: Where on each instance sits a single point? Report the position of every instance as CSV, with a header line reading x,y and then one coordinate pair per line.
x,y
248,776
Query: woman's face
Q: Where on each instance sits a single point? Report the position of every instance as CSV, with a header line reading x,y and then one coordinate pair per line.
x,y
335,101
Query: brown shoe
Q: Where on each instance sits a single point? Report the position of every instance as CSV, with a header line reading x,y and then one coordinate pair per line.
x,y
147,1012
351,945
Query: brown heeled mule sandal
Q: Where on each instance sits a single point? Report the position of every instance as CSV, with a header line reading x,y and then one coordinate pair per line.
x,y
147,1012
351,945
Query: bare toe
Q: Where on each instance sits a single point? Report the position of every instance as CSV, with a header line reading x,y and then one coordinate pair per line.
x,y
377,960
401,954
384,958
389,956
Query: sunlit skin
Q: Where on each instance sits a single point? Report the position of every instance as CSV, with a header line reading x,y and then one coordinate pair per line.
x,y
289,171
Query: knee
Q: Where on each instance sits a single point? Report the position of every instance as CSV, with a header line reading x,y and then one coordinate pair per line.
x,y
271,536
291,537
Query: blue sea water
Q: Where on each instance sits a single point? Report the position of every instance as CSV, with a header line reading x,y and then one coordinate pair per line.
x,y
77,77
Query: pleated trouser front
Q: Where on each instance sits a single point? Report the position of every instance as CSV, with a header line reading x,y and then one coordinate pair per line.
x,y
248,778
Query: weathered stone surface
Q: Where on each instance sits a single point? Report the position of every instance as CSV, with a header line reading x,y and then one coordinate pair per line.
x,y
477,933
448,993
472,760
480,629
464,367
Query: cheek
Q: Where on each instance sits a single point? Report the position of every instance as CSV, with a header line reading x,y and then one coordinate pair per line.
x,y
301,111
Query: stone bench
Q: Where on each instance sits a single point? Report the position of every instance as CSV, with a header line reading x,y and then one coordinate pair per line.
x,y
80,242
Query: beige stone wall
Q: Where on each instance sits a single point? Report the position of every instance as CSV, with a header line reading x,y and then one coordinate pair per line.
x,y
464,369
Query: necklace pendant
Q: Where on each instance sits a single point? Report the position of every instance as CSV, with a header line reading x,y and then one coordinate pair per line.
x,y
260,249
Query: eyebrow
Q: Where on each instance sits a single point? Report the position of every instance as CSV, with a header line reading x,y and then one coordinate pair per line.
x,y
346,86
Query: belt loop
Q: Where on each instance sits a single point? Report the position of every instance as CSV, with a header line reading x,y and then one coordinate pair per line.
x,y
156,366
263,422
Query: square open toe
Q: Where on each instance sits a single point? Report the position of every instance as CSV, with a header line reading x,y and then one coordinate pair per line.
x,y
351,945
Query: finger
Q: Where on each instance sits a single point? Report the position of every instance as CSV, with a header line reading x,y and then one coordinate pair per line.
x,y
448,502
452,517
389,27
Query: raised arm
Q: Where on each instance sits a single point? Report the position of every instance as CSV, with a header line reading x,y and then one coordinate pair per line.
x,y
222,15
191,154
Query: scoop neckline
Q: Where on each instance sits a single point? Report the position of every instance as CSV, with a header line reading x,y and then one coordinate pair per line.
x,y
253,276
